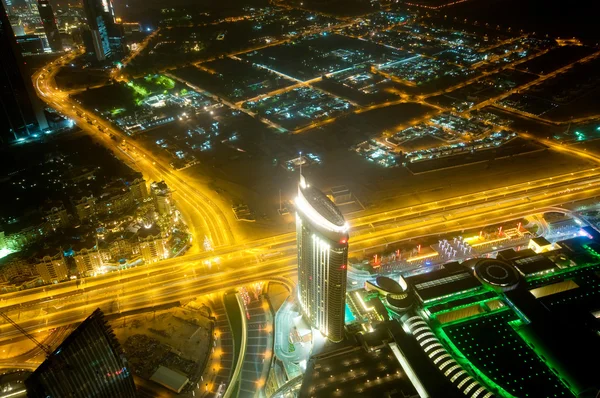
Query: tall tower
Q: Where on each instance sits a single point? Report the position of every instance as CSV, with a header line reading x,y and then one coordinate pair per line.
x,y
100,16
322,239
49,22
21,111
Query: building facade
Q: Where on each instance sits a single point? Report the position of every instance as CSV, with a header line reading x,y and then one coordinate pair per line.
x,y
85,207
138,189
31,44
120,248
52,269
21,111
116,199
153,249
106,36
87,261
89,363
163,198
322,239
14,266
56,215
49,23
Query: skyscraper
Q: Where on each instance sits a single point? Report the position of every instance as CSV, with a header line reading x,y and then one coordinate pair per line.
x,y
89,363
107,37
322,239
49,22
21,111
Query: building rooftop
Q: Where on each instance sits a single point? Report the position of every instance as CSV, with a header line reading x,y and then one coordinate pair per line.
x,y
169,378
153,230
361,366
504,356
496,273
160,188
541,241
323,205
317,206
443,283
534,264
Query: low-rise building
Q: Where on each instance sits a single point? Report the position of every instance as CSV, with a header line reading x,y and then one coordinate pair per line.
x,y
20,235
541,245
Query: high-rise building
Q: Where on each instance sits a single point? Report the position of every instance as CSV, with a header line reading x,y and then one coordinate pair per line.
x,y
89,363
85,207
52,268
87,260
116,41
21,111
138,189
115,199
162,196
7,5
106,34
153,248
322,239
49,23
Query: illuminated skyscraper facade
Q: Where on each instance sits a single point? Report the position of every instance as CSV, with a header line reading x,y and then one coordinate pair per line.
x,y
106,34
89,363
322,239
21,111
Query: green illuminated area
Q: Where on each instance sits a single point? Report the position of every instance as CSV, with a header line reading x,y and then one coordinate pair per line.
x,y
152,85
588,289
139,90
117,111
161,80
497,352
462,313
460,301
494,342
565,273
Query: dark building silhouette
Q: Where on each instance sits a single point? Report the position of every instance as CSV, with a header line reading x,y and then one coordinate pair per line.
x,y
106,36
49,22
21,111
30,44
89,363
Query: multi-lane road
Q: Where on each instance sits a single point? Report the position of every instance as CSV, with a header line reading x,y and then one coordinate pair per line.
x,y
191,276
233,263
199,207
